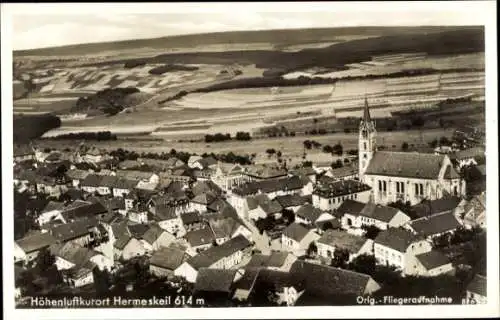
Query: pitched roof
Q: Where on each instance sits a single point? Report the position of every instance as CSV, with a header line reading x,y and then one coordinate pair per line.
x,y
200,237
435,224
328,281
214,280
248,279
432,259
204,198
309,212
405,164
153,233
291,200
296,232
73,230
475,152
275,259
224,227
36,241
73,253
213,254
108,181
123,183
344,171
351,207
83,209
379,212
134,174
77,174
264,171
53,205
92,180
122,241
207,161
263,201
396,238
201,187
342,239
436,206
339,188
138,230
478,285
168,258
190,217
165,212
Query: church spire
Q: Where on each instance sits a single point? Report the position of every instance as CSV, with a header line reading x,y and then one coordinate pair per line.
x,y
367,118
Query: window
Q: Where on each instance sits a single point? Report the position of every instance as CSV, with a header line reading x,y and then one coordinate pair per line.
x,y
365,156
385,186
421,189
379,185
364,146
397,187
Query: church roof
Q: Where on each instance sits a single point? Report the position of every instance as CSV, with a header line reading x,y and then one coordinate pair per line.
x,y
366,116
405,164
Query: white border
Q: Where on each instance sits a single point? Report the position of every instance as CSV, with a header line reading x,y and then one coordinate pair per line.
x,y
463,13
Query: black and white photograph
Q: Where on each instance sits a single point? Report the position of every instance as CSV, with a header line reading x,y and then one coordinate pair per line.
x,y
198,157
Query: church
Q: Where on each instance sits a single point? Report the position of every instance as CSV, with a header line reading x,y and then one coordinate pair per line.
x,y
405,176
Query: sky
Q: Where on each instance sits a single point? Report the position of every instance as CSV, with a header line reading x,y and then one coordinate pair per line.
x,y
46,25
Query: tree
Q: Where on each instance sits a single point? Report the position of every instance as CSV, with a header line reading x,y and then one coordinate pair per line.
x,y
308,144
312,249
270,152
278,154
444,141
433,143
327,226
371,231
337,164
364,263
340,258
288,215
338,150
45,259
327,149
405,146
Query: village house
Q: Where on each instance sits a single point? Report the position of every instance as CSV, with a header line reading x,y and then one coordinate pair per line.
x,y
331,240
91,183
435,225
122,186
330,196
431,264
297,238
192,221
262,172
371,214
307,172
70,255
193,162
168,220
226,256
81,232
476,290
225,228
309,215
228,176
136,175
50,186
404,176
26,249
213,284
175,199
127,247
260,207
206,187
93,155
468,157
138,214
446,204
23,153
324,283
77,176
348,172
51,212
276,260
293,201
474,214
165,260
182,174
199,240
202,201
106,185
155,238
399,247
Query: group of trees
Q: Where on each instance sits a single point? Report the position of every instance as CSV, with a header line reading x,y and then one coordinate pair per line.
x,y
336,149
29,127
171,68
109,101
218,137
99,136
309,144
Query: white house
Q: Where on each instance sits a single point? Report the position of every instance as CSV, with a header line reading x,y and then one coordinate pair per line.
x,y
226,256
377,215
330,196
431,264
399,247
155,238
296,239
332,240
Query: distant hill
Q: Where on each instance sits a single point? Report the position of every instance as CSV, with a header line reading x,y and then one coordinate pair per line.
x,y
288,36
466,40
29,127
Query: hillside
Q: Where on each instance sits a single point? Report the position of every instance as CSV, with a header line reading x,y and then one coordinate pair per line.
x,y
289,36
29,127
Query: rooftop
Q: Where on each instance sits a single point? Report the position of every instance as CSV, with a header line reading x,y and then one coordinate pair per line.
x,y
396,238
168,258
342,239
214,280
435,224
340,188
432,259
296,232
379,212
405,164
36,241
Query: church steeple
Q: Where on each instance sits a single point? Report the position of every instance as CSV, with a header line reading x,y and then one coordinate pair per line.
x,y
367,141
